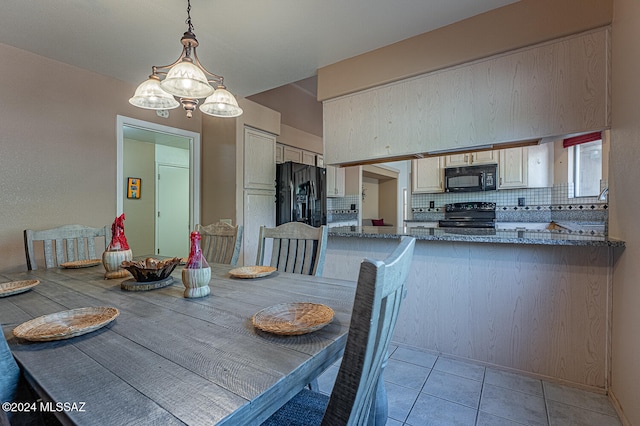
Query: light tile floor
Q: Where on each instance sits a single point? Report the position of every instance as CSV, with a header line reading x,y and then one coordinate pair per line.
x,y
424,389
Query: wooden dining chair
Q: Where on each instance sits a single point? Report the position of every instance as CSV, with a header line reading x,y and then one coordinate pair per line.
x,y
66,243
220,242
358,396
9,372
297,248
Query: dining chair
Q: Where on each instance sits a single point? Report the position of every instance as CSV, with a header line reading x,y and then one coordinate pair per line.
x,y
9,371
297,247
358,396
220,242
66,243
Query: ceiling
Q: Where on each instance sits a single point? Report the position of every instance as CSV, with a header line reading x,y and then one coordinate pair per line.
x,y
256,45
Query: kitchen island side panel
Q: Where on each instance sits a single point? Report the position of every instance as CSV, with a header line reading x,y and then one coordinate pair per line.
x,y
537,309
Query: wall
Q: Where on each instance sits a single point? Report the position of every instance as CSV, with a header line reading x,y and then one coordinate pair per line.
x,y
139,161
624,197
58,146
370,199
516,25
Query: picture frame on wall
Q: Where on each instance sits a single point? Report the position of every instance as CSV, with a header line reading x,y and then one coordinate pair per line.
x,y
134,188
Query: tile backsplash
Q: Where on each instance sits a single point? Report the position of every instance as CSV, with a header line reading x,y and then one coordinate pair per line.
x,y
540,204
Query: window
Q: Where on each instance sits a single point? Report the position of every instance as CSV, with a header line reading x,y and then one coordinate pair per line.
x,y
587,168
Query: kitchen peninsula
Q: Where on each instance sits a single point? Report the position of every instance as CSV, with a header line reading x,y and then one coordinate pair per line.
x,y
533,302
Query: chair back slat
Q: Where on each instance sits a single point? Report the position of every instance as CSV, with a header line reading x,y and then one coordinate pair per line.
x,y
220,242
297,248
380,290
66,243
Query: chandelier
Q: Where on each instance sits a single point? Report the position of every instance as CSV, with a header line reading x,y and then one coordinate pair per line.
x,y
187,80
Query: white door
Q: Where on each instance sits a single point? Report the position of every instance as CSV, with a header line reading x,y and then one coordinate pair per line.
x,y
172,221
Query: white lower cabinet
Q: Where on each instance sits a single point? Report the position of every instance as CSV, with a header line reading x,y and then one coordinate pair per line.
x,y
427,175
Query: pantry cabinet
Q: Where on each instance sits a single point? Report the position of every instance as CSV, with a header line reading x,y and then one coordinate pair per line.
x,y
427,175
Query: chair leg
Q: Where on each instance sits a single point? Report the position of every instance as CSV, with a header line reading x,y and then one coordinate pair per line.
x,y
380,406
313,385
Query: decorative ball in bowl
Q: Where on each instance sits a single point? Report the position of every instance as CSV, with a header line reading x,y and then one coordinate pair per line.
x,y
151,269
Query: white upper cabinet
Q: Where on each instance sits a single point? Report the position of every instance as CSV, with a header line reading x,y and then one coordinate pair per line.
x,y
279,153
259,159
526,167
427,175
335,181
513,166
309,158
472,158
292,154
550,89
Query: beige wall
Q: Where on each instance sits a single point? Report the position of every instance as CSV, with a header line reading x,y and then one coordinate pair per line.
x,y
516,25
58,146
139,161
624,196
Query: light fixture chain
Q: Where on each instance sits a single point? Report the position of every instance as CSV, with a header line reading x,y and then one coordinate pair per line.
x,y
188,21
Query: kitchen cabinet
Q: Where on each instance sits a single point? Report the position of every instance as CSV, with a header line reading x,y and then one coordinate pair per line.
x,y
553,88
279,153
427,175
319,160
292,154
512,168
526,167
472,158
297,155
335,181
309,158
259,159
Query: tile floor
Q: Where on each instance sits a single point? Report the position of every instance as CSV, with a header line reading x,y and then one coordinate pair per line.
x,y
424,389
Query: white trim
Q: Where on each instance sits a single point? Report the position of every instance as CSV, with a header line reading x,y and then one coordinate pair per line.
x,y
194,162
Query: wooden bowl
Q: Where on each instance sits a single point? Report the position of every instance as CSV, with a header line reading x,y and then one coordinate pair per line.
x,y
151,269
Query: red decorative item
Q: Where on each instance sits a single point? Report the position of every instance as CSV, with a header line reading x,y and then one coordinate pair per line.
x,y
118,239
196,259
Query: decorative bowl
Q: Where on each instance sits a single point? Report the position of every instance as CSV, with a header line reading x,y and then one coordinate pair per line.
x,y
151,269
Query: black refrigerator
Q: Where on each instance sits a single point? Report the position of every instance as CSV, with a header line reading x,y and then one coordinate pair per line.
x,y
301,194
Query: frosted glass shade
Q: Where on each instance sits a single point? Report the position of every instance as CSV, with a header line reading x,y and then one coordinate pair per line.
x,y
186,80
150,95
221,104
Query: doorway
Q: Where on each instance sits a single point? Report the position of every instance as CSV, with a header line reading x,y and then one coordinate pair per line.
x,y
159,221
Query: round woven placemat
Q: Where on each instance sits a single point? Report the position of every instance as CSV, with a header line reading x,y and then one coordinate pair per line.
x,y
293,318
15,287
252,271
81,263
66,324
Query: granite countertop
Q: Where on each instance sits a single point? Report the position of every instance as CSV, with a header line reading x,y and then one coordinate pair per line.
x,y
505,236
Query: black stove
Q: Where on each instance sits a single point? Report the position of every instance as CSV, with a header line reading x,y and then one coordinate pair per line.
x,y
469,215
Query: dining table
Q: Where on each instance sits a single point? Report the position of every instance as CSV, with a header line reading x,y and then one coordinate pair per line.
x,y
167,359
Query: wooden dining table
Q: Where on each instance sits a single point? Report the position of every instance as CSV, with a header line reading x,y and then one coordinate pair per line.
x,y
170,360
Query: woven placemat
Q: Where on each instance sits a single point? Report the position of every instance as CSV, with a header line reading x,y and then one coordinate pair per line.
x,y
252,271
293,318
15,287
81,263
66,324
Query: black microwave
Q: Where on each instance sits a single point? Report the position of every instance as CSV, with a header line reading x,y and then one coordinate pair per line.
x,y
471,178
